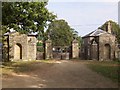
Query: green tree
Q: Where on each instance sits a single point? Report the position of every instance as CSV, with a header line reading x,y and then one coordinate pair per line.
x,y
115,29
26,17
61,33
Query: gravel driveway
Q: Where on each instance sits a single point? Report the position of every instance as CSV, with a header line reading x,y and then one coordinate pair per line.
x,y
61,74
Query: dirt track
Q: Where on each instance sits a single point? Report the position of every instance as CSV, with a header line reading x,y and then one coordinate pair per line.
x,y
63,74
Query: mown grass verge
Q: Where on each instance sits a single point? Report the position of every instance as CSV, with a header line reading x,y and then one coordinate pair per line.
x,y
110,69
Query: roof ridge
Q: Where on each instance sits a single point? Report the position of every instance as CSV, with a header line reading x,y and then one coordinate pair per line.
x,y
96,32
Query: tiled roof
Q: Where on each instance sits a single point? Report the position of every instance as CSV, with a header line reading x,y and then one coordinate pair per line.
x,y
97,32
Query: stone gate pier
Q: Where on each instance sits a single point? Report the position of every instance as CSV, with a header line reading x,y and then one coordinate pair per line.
x,y
75,49
48,49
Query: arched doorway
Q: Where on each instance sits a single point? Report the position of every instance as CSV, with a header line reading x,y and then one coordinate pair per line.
x,y
94,50
18,51
107,51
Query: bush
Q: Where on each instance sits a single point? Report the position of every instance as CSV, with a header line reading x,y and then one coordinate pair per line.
x,y
39,44
40,49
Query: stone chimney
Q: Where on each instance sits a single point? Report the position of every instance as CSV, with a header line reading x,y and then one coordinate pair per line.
x,y
109,27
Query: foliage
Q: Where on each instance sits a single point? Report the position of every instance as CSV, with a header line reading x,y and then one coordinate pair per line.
x,y
61,33
79,40
26,17
39,44
115,29
40,47
109,69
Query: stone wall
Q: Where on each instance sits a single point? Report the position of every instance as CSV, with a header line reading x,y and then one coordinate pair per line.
x,y
21,46
119,55
0,52
75,49
21,39
32,47
106,39
87,48
5,51
48,49
101,47
117,52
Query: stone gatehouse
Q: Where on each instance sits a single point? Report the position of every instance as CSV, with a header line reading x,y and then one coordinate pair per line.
x,y
99,45
20,46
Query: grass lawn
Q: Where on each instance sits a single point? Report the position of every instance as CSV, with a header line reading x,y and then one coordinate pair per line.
x,y
110,69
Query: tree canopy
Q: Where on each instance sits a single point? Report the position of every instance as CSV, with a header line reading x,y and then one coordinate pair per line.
x,y
61,33
26,17
115,29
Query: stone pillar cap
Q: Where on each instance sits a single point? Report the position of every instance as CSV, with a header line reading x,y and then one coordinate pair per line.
x,y
75,41
48,41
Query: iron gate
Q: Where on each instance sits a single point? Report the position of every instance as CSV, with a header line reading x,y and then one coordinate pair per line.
x,y
61,52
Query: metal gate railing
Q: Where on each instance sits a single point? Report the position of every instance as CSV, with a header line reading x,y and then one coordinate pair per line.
x,y
40,53
61,52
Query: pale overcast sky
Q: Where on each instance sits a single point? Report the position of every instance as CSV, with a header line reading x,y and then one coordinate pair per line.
x,y
84,0
85,15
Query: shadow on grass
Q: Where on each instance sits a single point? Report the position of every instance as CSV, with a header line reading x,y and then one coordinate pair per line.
x,y
23,66
18,67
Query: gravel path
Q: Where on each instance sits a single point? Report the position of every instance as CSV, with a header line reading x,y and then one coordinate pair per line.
x,y
62,74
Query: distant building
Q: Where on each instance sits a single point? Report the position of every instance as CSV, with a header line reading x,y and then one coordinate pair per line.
x,y
99,45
